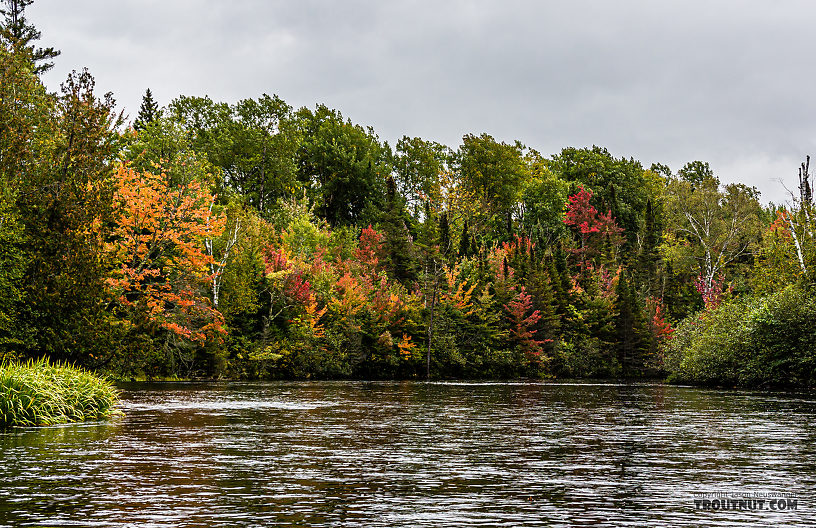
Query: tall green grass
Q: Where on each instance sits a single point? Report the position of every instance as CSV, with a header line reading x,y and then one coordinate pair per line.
x,y
42,393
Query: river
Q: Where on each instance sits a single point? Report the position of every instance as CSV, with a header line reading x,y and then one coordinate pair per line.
x,y
372,454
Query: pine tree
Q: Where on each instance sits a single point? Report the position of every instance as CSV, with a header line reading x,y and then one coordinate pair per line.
x,y
541,288
464,242
649,257
444,234
630,331
21,35
398,244
148,112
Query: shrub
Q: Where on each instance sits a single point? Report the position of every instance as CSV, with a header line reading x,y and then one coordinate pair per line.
x,y
42,393
754,342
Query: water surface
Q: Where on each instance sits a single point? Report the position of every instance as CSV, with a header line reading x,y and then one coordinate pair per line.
x,y
416,454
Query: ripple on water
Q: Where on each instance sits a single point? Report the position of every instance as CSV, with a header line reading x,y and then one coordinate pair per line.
x,y
414,454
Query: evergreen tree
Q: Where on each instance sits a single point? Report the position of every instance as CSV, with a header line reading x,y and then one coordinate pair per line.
x,y
540,286
398,245
148,112
21,35
444,233
464,242
649,258
631,340
66,209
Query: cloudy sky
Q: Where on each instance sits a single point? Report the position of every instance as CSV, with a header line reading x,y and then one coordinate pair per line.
x,y
728,82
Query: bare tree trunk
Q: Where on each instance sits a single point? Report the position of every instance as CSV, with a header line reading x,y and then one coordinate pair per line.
x,y
796,243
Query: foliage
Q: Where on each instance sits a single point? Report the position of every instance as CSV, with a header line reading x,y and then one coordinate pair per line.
x,y
148,111
64,205
491,173
157,250
522,319
252,142
251,239
758,341
619,186
342,165
711,227
21,35
45,393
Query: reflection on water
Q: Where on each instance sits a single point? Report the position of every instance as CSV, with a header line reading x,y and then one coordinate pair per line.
x,y
414,454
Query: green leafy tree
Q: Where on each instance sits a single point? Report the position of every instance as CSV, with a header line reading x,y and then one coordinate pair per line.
x,y
543,197
618,185
697,173
65,208
417,166
709,226
163,145
253,142
492,173
343,165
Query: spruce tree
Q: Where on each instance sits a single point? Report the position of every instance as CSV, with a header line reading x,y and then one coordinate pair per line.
x,y
649,257
464,242
21,35
148,112
444,234
630,331
398,245
540,286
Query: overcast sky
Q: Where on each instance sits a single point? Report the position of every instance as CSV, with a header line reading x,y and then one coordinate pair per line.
x,y
731,83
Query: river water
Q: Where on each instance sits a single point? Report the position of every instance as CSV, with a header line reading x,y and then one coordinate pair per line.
x,y
419,454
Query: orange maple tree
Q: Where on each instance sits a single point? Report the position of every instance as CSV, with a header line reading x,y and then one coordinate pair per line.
x,y
161,268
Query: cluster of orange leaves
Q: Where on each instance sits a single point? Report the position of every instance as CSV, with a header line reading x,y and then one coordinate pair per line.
x,y
158,251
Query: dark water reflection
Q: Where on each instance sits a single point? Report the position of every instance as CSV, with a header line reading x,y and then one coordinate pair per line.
x,y
415,454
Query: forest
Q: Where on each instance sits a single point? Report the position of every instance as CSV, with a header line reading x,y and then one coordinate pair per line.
x,y
254,240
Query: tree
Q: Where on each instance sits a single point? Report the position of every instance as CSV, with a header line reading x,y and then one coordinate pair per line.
x,y
696,173
253,142
164,145
603,174
543,197
343,165
21,35
148,111
27,129
594,229
161,269
798,225
630,332
649,256
465,248
492,172
417,166
719,225
65,206
523,320
399,248
661,169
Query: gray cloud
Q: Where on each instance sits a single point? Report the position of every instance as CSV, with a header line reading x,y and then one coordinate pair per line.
x,y
670,81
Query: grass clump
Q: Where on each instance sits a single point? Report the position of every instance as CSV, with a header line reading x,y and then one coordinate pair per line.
x,y
42,393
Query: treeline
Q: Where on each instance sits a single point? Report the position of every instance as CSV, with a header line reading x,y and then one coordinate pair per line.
x,y
258,240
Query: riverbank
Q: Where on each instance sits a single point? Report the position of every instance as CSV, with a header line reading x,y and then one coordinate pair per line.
x,y
44,393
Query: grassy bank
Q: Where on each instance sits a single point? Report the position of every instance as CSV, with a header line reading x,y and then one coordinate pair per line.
x,y
42,393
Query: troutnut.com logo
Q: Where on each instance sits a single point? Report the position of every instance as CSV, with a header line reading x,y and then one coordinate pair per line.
x,y
746,501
